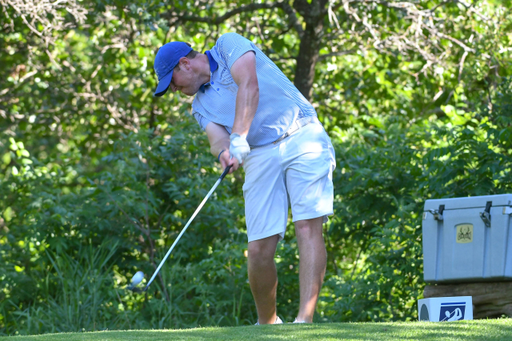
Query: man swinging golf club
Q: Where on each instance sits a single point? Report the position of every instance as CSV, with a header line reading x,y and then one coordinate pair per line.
x,y
256,118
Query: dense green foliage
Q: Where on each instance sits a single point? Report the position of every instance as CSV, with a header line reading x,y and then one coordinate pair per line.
x,y
97,177
386,184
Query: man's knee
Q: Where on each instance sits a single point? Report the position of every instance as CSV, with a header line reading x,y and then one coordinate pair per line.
x,y
263,249
309,227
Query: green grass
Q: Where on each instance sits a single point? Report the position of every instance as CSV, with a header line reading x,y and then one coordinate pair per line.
x,y
499,329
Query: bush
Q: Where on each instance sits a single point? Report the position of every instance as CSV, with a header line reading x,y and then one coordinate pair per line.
x,y
134,209
386,176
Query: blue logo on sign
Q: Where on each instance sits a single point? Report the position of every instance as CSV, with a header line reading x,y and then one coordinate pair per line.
x,y
452,311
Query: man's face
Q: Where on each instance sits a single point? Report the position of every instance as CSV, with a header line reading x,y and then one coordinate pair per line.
x,y
184,80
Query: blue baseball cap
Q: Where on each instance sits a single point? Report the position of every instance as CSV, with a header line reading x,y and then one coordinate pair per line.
x,y
167,57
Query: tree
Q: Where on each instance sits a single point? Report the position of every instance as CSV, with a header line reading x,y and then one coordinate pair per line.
x,y
440,32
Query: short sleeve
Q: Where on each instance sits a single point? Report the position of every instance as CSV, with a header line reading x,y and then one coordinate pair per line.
x,y
232,46
203,121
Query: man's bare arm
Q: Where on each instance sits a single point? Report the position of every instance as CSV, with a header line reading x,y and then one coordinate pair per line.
x,y
243,72
218,137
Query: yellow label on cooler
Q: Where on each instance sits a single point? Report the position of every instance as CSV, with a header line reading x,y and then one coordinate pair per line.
x,y
464,233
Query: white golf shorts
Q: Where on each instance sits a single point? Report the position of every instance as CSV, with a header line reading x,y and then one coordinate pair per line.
x,y
296,172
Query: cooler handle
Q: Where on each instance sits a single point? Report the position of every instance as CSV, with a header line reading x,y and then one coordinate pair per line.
x,y
486,215
438,214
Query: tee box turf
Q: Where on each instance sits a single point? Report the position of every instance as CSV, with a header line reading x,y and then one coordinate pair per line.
x,y
439,309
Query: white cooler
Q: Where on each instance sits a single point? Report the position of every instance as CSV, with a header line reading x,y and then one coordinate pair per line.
x,y
467,239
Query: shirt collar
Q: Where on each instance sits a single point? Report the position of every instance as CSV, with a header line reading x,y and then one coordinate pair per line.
x,y
213,67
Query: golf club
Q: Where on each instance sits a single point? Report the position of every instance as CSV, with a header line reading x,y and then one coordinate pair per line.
x,y
137,278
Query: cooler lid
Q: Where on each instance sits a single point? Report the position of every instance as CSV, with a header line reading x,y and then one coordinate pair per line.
x,y
469,202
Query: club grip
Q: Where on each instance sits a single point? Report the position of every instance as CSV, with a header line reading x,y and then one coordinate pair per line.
x,y
226,171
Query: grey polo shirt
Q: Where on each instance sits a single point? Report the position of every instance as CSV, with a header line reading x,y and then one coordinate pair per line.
x,y
280,102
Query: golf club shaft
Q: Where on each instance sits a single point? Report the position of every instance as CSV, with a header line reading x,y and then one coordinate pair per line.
x,y
187,225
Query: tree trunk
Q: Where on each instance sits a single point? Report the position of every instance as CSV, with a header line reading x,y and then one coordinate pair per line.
x,y
310,43
492,299
306,61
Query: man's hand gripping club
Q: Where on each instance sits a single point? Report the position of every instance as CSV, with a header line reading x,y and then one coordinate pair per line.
x,y
238,147
235,155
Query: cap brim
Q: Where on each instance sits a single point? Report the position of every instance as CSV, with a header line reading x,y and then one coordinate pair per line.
x,y
163,85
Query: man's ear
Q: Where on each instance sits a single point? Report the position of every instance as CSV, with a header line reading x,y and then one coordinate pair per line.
x,y
184,62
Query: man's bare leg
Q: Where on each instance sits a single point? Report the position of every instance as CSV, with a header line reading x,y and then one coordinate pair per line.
x,y
263,277
313,260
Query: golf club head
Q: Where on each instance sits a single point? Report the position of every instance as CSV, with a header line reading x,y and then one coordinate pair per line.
x,y
136,279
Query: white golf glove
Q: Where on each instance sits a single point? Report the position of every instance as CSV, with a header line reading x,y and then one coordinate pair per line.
x,y
238,147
